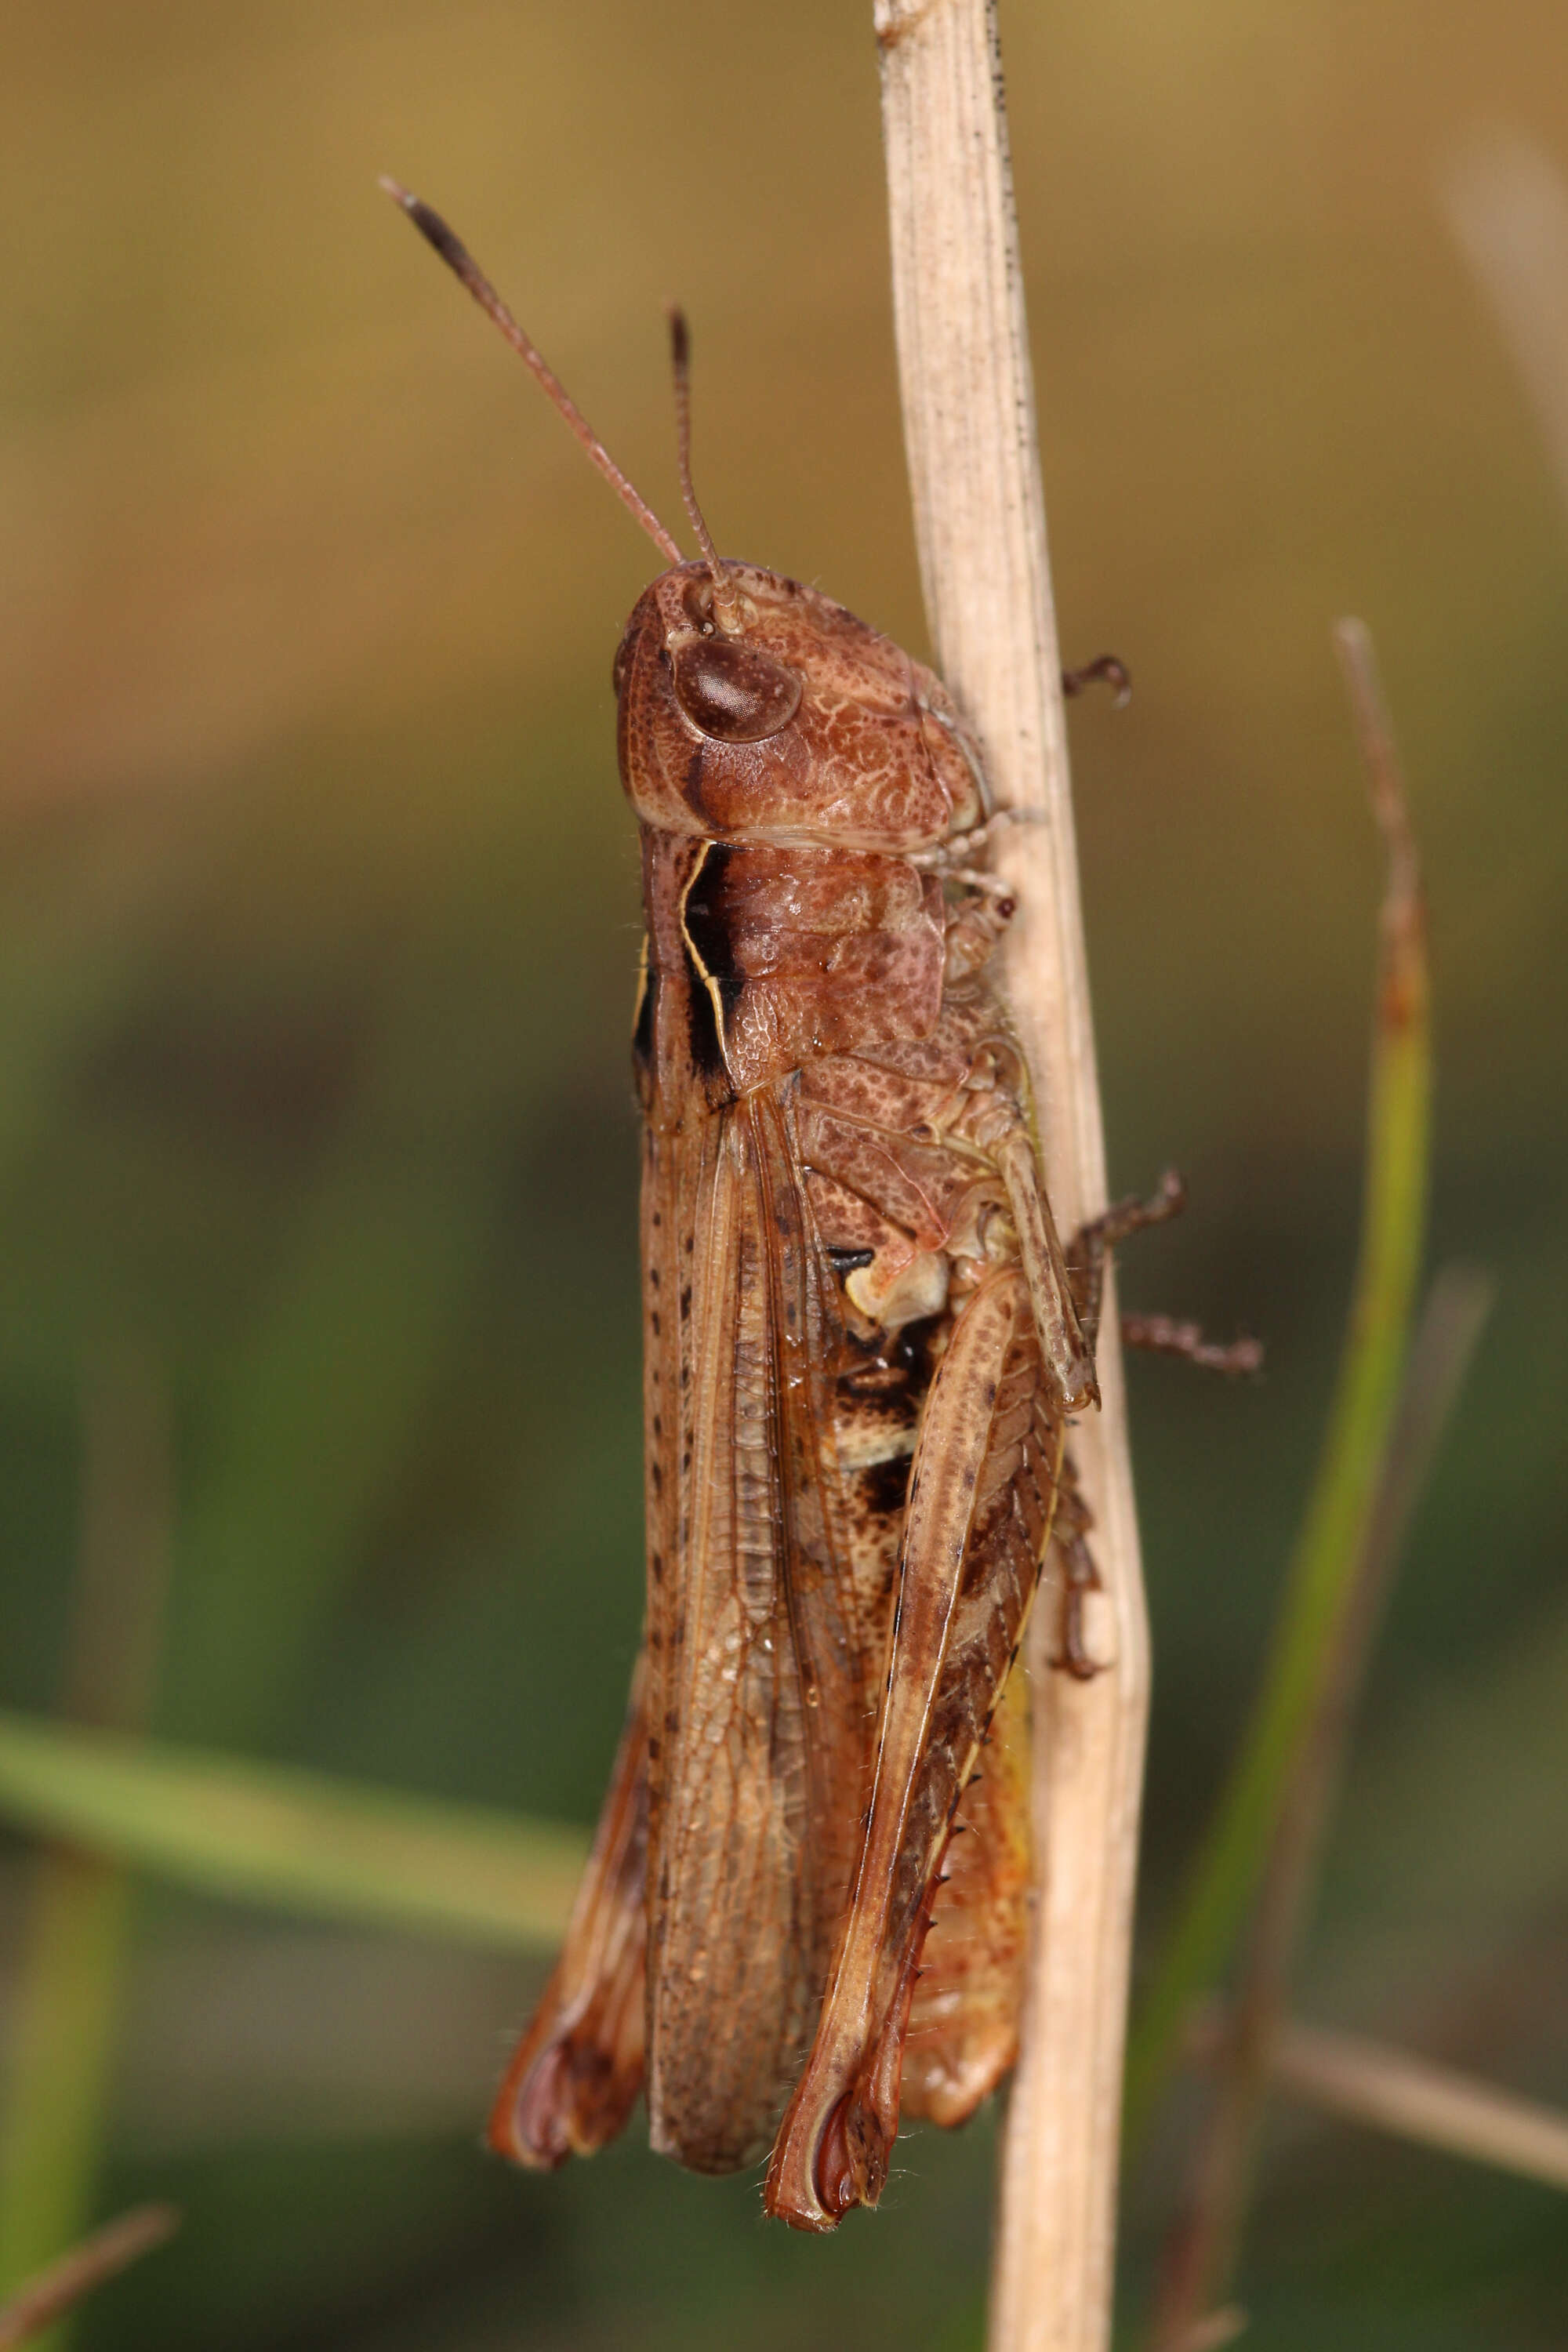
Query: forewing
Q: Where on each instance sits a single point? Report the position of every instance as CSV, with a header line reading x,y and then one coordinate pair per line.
x,y
758,1716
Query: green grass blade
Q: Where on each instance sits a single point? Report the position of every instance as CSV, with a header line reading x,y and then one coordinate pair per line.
x,y
292,1840
64,2031
1366,1395
78,1916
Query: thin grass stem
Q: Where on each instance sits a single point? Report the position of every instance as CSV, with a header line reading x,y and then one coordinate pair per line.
x,y
1343,1497
43,2302
1202,2251
65,2021
1365,2080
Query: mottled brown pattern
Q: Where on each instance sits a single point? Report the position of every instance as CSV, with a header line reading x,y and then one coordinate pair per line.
x,y
981,1498
962,2032
754,1659
859,1356
870,761
804,952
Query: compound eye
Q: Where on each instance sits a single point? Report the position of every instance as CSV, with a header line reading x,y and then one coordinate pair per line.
x,y
731,692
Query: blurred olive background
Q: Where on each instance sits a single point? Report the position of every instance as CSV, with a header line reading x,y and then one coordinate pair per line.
x,y
317,929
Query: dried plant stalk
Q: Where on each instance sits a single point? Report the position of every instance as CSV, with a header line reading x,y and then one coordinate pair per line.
x,y
1410,2097
1506,203
1419,2100
969,425
54,2293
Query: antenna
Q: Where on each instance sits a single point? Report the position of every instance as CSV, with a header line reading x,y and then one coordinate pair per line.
x,y
457,258
726,603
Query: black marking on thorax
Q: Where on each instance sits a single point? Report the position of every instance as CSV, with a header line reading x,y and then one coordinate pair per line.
x,y
642,1024
714,988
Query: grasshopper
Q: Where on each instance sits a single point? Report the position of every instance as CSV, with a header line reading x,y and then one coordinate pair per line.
x,y
862,1351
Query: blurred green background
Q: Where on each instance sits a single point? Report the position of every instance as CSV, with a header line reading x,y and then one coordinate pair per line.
x,y
318,928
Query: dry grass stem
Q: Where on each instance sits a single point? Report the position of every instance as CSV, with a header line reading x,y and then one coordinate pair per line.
x,y
56,2290
1506,203
1214,2330
1366,2082
1389,800
969,426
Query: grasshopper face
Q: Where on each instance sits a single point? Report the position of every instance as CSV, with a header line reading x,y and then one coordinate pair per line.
x,y
784,718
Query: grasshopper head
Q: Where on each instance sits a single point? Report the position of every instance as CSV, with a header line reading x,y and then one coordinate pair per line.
x,y
756,709
751,707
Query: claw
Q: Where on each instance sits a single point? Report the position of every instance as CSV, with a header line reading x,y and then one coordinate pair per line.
x,y
1106,668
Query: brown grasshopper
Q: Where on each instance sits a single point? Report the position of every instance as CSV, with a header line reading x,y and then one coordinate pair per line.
x,y
862,1348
